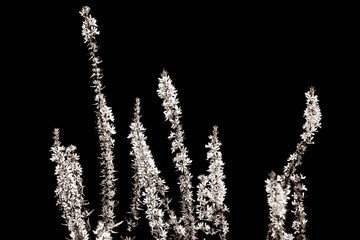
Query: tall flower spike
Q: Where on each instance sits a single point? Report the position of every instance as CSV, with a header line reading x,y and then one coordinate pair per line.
x,y
212,191
69,191
167,92
105,129
312,116
290,181
312,123
149,189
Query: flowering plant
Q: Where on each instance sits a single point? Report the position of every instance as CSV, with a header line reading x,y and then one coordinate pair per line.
x,y
149,188
279,187
203,213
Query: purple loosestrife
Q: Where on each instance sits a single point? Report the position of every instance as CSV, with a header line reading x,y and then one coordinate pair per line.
x,y
312,123
212,191
69,191
167,92
148,188
105,129
278,187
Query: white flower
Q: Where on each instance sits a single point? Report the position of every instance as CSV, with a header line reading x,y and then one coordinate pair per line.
x,y
69,190
172,111
89,27
149,188
105,125
278,187
211,191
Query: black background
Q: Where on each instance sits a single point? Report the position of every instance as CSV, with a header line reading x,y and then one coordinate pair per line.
x,y
243,68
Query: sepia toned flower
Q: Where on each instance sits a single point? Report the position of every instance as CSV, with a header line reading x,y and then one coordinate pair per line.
x,y
69,190
278,187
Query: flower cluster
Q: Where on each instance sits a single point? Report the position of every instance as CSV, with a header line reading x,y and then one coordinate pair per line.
x,y
149,189
105,129
299,222
168,93
69,191
312,116
278,187
89,27
277,198
211,192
